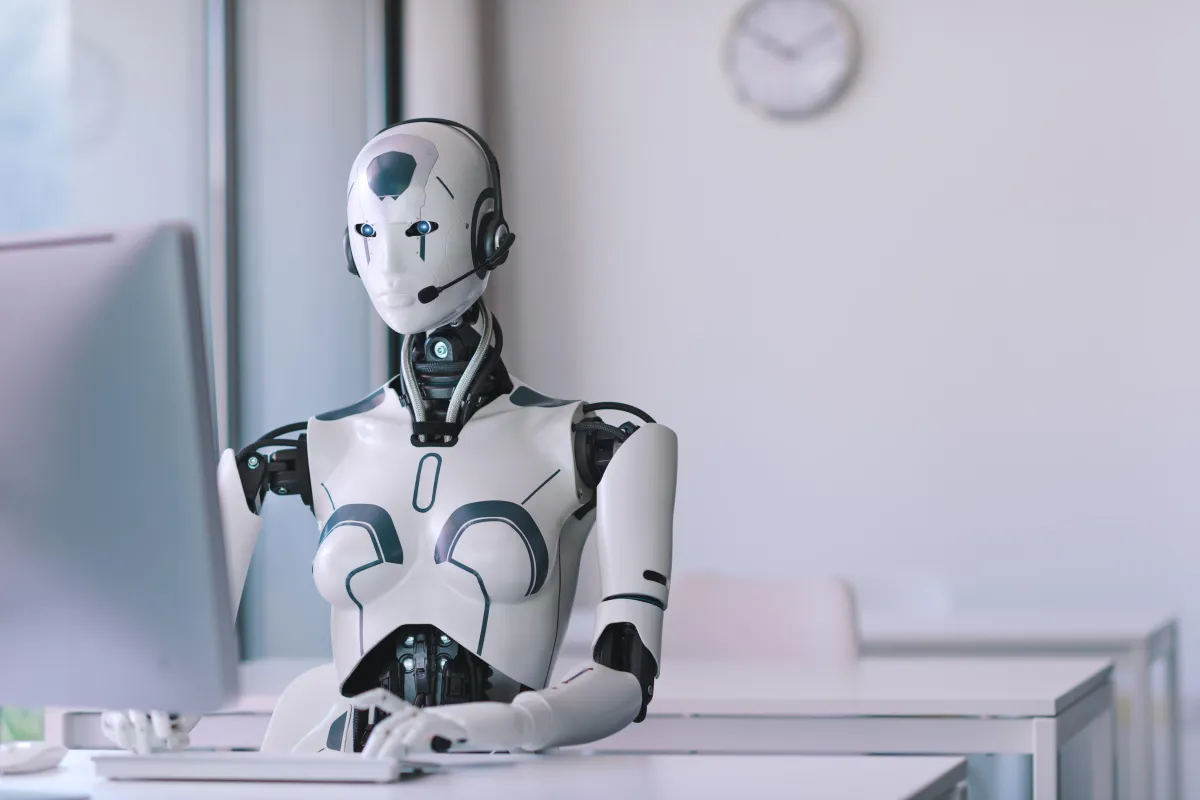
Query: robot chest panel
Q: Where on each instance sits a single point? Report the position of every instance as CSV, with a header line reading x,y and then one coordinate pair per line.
x,y
393,517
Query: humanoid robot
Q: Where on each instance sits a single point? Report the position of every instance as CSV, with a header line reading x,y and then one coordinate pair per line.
x,y
452,504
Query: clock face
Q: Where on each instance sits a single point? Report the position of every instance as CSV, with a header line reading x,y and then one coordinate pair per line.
x,y
792,58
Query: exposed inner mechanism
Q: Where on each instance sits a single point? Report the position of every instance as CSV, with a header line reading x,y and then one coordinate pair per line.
x,y
425,667
448,375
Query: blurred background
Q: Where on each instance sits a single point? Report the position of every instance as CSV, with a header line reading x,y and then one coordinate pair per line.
x,y
938,339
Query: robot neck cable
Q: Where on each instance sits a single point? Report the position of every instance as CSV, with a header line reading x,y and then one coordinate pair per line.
x,y
439,377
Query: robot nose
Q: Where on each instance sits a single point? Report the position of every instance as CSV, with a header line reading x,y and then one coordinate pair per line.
x,y
394,262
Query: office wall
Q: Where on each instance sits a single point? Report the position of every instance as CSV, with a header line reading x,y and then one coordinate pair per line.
x,y
304,338
942,338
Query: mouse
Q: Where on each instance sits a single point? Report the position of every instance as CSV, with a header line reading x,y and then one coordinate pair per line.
x,y
24,757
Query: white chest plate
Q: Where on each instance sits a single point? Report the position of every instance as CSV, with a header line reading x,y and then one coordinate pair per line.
x,y
477,539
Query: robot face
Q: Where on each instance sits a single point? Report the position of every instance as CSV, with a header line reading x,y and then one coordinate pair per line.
x,y
409,212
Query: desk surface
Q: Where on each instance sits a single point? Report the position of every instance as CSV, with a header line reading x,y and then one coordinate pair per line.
x,y
1100,631
570,775
976,687
1014,687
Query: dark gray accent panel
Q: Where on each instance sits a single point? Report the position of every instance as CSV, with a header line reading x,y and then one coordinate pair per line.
x,y
336,731
376,521
504,511
641,598
437,472
539,487
389,174
525,397
657,577
487,602
362,406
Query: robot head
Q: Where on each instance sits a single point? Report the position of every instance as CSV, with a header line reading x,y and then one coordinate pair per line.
x,y
424,209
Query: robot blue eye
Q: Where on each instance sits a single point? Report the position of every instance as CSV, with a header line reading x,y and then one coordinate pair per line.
x,y
421,227
365,229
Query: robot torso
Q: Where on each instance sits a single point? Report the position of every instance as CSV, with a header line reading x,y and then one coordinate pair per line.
x,y
478,540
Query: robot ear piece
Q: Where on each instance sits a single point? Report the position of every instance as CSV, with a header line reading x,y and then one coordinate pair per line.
x,y
503,237
485,238
492,241
349,253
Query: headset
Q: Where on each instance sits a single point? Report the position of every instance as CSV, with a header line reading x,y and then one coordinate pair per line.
x,y
492,238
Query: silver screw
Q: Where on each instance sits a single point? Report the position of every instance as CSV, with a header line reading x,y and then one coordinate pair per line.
x,y
445,640
650,690
252,462
407,663
443,660
409,642
283,490
441,349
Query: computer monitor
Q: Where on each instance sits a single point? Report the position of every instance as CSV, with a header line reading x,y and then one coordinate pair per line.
x,y
113,585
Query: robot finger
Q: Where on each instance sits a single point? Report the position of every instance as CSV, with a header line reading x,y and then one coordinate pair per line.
x,y
384,742
435,734
117,728
418,737
382,699
141,732
160,723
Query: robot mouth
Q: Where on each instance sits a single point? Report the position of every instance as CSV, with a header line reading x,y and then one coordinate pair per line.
x,y
396,299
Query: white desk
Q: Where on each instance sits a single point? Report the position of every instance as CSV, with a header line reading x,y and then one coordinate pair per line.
x,y
917,706
1134,642
963,706
575,776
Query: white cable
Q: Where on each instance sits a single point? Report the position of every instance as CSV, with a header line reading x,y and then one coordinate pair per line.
x,y
473,366
408,375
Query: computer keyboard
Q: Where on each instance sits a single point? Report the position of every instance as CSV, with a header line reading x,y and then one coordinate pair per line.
x,y
192,765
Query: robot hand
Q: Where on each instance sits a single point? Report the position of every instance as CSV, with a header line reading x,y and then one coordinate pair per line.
x,y
407,729
146,731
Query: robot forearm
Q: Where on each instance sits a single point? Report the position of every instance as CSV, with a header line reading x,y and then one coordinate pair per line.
x,y
594,702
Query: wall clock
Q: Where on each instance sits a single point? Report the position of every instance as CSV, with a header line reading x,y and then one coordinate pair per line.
x,y
790,59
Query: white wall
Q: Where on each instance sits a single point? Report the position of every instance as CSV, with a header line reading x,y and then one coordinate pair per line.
x,y
947,332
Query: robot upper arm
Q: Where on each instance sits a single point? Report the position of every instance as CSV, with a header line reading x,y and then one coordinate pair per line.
x,y
284,472
619,646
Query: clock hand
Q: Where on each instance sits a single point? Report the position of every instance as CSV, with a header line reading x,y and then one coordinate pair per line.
x,y
770,43
797,50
